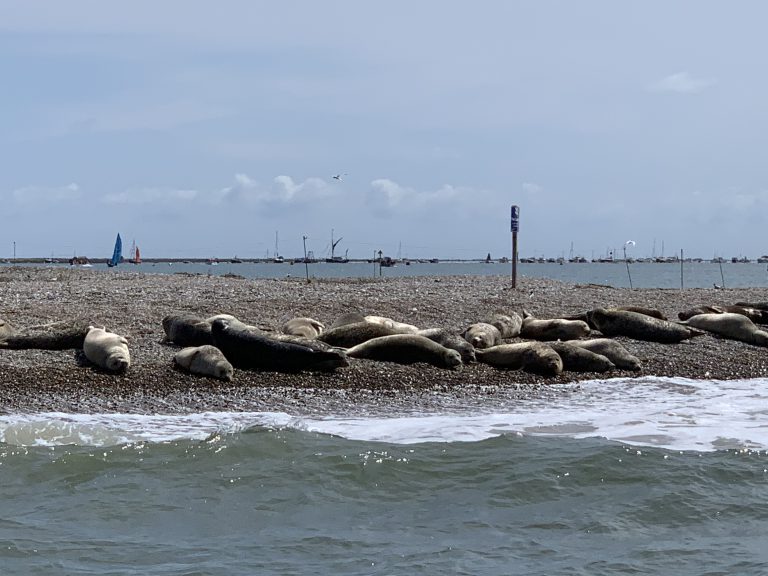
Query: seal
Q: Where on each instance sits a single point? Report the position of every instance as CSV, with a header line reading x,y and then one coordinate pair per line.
x,y
60,335
757,315
406,349
306,327
204,360
400,327
731,326
577,359
652,312
5,329
482,335
509,325
107,350
553,328
187,329
245,348
758,305
450,340
348,318
639,326
612,350
534,357
348,335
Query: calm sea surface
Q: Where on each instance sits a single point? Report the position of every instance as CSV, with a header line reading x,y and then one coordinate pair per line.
x,y
642,275
641,476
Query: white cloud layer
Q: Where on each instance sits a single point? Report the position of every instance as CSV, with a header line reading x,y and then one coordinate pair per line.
x,y
682,83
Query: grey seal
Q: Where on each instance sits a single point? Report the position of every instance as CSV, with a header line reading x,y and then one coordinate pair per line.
x,y
509,325
406,349
246,348
451,340
205,360
534,357
482,335
731,326
348,335
306,327
553,328
612,350
757,315
578,359
60,335
639,326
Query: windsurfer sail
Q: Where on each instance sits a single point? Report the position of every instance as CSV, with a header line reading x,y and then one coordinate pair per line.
x,y
117,255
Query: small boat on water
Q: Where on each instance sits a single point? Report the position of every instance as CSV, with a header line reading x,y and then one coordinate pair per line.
x,y
117,254
336,259
135,254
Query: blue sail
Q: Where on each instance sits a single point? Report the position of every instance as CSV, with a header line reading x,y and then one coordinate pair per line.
x,y
117,255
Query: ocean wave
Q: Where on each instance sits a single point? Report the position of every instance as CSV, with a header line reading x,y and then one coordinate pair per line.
x,y
672,413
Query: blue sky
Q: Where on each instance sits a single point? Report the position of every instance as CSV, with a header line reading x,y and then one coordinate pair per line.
x,y
203,129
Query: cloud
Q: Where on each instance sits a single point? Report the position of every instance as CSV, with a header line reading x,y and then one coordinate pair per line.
x,y
283,190
46,195
532,188
151,196
681,83
386,197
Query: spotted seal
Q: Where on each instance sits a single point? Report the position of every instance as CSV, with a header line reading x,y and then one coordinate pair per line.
x,y
450,340
509,325
399,327
348,335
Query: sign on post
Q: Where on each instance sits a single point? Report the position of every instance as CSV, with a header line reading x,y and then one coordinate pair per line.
x,y
515,225
515,218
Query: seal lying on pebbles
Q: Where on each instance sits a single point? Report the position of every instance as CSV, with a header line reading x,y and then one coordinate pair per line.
x,y
534,357
187,329
482,335
5,329
553,328
577,359
348,318
61,335
400,327
758,305
107,350
612,350
755,314
652,312
204,360
306,327
348,335
639,326
406,349
245,348
450,340
731,326
509,325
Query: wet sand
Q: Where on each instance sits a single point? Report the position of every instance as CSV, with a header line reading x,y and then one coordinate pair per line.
x,y
133,304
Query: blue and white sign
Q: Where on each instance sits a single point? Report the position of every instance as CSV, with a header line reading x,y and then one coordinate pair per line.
x,y
515,218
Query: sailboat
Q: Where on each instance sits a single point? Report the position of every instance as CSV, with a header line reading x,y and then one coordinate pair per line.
x,y
277,259
117,254
336,259
135,254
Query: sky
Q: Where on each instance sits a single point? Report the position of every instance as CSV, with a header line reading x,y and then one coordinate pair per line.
x,y
199,129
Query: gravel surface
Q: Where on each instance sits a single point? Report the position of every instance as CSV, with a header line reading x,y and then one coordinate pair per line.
x,y
133,304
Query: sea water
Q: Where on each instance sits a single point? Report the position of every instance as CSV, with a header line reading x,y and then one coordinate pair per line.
x,y
617,476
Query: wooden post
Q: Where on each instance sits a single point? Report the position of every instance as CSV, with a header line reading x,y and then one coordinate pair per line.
x,y
515,226
681,269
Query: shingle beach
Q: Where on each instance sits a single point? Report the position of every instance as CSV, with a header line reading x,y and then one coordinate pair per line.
x,y
133,304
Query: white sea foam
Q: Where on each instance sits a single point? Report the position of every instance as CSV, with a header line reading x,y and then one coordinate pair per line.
x,y
672,413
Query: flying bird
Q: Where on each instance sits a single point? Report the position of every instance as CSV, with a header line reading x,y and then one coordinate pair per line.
x,y
339,176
